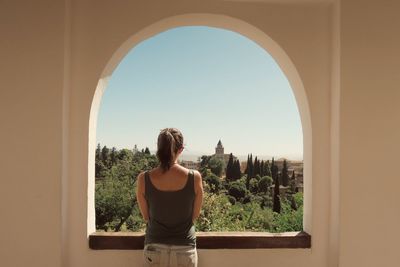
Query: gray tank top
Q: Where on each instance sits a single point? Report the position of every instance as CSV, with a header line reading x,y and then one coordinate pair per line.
x,y
170,214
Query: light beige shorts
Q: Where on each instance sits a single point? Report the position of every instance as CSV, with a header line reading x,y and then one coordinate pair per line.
x,y
163,255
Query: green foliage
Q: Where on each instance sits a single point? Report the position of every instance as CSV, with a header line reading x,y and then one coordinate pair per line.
x,y
285,174
292,183
289,219
227,205
232,200
114,202
277,200
218,214
253,185
264,184
267,169
214,182
213,214
135,222
236,170
115,198
216,165
237,190
249,170
211,163
229,172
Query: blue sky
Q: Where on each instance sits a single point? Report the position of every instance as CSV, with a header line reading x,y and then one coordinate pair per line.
x,y
211,84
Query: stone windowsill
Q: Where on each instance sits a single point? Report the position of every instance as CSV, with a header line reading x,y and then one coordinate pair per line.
x,y
207,240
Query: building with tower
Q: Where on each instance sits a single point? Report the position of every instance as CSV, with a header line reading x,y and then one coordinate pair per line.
x,y
219,153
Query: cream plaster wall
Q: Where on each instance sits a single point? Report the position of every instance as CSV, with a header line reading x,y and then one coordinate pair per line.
x,y
370,132
31,83
53,53
303,32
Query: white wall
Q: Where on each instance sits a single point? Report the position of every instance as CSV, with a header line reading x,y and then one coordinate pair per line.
x,y
52,55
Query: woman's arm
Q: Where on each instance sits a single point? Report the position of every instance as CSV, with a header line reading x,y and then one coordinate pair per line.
x,y
140,190
198,190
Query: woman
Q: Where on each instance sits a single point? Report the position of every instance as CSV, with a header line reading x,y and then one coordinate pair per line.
x,y
170,197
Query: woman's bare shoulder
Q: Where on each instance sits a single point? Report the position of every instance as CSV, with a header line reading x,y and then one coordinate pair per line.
x,y
197,176
140,176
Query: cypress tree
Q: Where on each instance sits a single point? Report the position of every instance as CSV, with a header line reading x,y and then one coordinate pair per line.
x,y
98,152
229,168
147,151
274,170
292,183
285,174
247,164
249,171
237,172
277,202
267,169
262,168
256,167
113,156
293,178
105,156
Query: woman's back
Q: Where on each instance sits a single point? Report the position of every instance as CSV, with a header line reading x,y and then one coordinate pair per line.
x,y
172,180
170,198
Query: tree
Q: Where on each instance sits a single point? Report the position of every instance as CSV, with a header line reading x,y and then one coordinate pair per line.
x,y
216,166
214,182
250,171
267,169
277,201
113,156
247,164
230,169
253,185
105,156
285,174
274,170
114,200
262,168
100,168
204,164
256,167
147,151
292,183
264,184
237,190
125,155
237,172
98,152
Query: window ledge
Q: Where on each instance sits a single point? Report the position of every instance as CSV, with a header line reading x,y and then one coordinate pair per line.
x,y
207,240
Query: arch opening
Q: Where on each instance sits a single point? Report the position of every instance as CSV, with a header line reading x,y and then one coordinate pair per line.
x,y
217,21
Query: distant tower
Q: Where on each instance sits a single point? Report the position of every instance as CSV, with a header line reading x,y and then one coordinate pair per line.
x,y
135,149
219,149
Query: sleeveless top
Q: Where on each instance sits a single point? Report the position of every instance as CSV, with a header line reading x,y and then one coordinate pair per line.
x,y
170,214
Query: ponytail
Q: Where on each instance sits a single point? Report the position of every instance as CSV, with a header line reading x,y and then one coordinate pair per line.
x,y
170,140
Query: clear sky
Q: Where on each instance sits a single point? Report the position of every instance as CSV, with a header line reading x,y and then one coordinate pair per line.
x,y
211,84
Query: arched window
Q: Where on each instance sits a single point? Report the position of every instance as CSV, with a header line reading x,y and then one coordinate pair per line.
x,y
225,92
